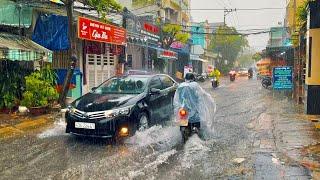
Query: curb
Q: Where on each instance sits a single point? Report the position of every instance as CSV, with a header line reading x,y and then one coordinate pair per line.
x,y
23,127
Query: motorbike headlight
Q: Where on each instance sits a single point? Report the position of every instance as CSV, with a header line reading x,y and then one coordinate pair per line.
x,y
118,112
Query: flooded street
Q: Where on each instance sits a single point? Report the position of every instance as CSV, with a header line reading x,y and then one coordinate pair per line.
x,y
245,145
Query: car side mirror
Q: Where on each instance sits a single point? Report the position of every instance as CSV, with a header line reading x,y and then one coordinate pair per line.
x,y
155,91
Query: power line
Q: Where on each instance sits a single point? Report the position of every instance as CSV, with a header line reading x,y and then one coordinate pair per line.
x,y
238,9
229,34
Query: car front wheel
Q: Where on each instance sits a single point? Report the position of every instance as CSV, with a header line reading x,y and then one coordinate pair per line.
x,y
143,121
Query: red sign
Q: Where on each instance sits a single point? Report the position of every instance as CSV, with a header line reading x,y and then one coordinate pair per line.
x,y
151,28
101,32
167,54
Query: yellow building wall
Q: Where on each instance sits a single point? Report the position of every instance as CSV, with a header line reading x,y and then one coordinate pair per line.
x,y
315,58
292,12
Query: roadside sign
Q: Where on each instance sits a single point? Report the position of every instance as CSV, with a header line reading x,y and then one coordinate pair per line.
x,y
282,78
101,32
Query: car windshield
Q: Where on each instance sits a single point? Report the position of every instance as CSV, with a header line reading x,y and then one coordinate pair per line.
x,y
123,85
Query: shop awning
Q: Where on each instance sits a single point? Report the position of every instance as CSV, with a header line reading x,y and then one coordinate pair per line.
x,y
14,47
194,57
15,42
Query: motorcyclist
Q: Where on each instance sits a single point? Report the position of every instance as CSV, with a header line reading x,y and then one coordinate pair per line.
x,y
199,105
188,96
215,73
250,72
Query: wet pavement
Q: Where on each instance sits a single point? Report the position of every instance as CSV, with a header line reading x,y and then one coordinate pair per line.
x,y
257,135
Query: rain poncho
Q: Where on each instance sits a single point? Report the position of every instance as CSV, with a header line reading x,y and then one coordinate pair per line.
x,y
199,104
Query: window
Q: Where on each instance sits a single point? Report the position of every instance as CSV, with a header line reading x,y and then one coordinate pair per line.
x,y
166,81
310,57
156,83
127,85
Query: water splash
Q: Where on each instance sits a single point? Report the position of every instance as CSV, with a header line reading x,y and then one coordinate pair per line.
x,y
58,129
158,137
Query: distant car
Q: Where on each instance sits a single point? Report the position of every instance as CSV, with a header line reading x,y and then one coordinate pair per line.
x,y
122,105
243,72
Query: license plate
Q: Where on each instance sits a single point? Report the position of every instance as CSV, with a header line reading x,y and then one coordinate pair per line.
x,y
82,125
183,122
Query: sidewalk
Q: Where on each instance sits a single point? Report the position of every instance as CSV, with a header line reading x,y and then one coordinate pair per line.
x,y
289,140
12,125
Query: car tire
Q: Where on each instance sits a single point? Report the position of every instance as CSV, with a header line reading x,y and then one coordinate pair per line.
x,y
143,121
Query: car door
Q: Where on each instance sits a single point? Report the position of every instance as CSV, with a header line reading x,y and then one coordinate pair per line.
x,y
169,89
156,101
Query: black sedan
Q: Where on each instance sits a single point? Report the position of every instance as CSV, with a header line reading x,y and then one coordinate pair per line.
x,y
122,105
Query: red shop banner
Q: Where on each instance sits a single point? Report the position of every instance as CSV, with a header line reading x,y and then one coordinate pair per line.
x,y
101,32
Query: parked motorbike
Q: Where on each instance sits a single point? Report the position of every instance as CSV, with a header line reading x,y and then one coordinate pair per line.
x,y
232,75
266,82
200,78
214,82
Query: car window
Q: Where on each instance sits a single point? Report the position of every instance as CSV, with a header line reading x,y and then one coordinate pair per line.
x,y
155,83
123,85
166,81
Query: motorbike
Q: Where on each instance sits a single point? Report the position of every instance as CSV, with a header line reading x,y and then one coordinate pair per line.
x,y
232,75
187,128
266,82
214,82
186,103
200,78
250,75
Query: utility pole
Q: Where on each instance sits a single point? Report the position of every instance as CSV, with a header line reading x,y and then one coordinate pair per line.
x,y
225,13
73,58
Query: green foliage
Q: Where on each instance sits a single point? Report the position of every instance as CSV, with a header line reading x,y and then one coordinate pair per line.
x,y
40,90
228,44
12,83
139,3
9,100
302,13
104,6
257,56
172,33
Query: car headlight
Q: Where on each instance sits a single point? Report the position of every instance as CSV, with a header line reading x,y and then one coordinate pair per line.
x,y
71,109
118,112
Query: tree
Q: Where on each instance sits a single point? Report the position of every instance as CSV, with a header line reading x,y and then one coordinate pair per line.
x,y
170,33
173,33
228,43
103,7
257,56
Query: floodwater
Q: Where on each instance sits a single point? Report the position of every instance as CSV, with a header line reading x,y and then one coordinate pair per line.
x,y
242,146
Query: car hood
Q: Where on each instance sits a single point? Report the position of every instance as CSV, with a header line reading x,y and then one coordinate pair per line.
x,y
96,102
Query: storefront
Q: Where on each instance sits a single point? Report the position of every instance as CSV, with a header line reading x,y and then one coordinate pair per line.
x,y
143,41
103,45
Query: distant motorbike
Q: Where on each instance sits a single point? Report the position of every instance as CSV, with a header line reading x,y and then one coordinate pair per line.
x,y
266,82
200,78
232,75
214,82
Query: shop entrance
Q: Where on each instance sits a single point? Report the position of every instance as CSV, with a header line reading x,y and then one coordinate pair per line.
x,y
100,67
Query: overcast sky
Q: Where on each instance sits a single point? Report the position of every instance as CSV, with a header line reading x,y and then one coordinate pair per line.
x,y
242,20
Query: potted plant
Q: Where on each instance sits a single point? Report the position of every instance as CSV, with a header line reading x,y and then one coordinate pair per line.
x,y
40,92
8,103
